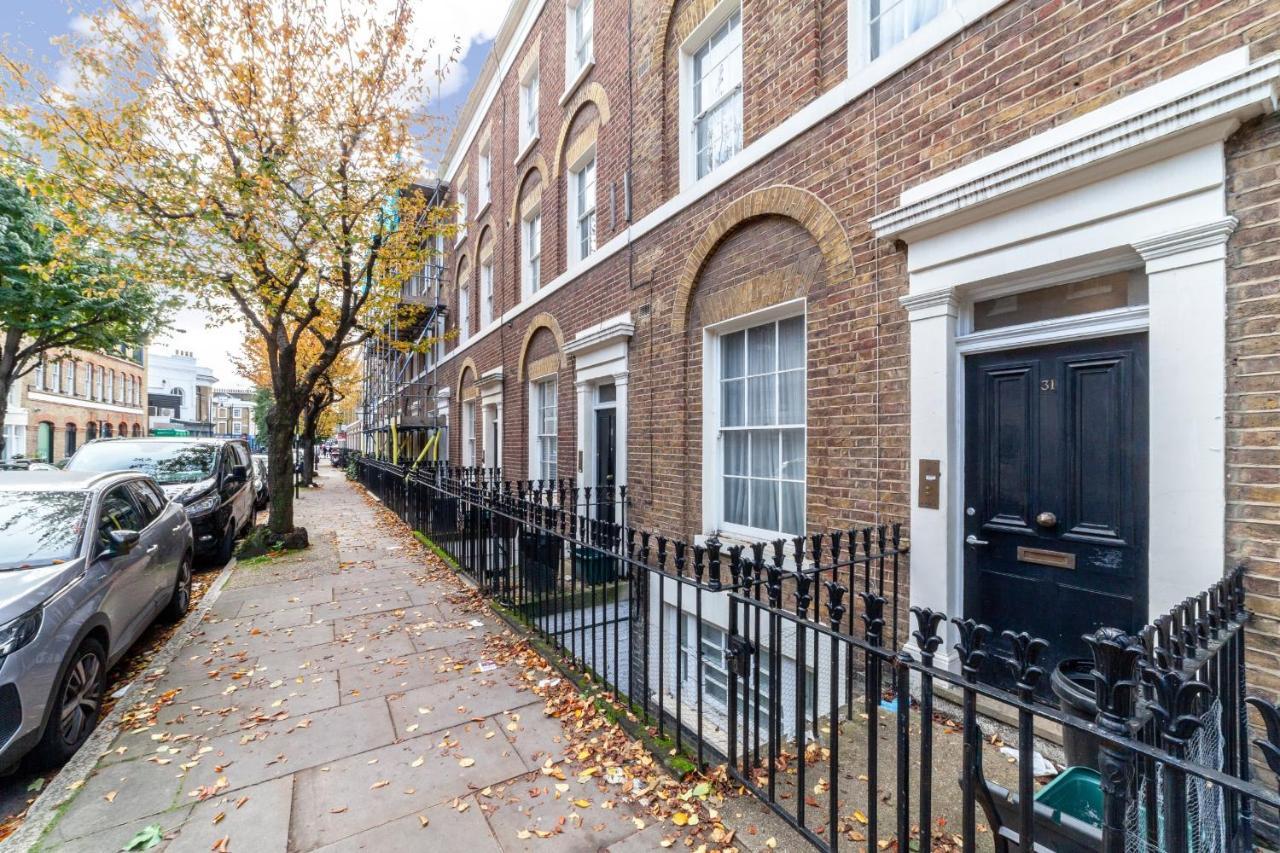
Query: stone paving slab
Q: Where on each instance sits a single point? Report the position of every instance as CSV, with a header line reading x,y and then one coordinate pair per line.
x,y
446,829
401,674
384,784
284,747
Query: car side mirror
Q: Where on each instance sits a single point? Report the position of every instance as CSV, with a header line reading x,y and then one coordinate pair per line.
x,y
240,473
121,543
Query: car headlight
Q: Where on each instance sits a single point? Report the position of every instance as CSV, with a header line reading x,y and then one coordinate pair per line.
x,y
200,507
16,634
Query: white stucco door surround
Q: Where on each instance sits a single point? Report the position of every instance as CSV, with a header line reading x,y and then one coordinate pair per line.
x,y
489,386
1137,184
600,358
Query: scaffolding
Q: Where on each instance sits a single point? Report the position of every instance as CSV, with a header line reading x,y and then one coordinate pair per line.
x,y
398,411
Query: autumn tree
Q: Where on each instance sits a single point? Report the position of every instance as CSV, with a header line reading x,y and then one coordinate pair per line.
x,y
339,383
61,291
265,152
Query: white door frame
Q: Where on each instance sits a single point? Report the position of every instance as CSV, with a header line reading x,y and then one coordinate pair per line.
x,y
1124,185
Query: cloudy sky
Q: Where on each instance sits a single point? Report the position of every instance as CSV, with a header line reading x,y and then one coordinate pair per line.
x,y
28,26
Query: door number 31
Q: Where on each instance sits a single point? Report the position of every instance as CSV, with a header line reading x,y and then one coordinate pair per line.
x,y
1048,385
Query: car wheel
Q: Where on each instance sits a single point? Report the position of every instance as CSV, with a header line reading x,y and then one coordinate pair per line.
x,y
76,705
180,601
228,546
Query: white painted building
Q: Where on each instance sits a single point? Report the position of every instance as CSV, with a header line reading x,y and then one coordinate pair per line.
x,y
180,393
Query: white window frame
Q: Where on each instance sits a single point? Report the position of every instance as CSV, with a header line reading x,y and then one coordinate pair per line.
x,y
237,427
577,42
464,311
486,294
912,44
55,382
462,218
529,104
701,34
713,445
469,433
539,438
531,257
485,179
578,210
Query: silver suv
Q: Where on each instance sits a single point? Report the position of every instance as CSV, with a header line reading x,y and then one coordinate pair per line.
x,y
87,561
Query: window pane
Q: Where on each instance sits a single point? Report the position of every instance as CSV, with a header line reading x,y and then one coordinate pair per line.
x,y
793,454
735,500
793,508
735,452
893,20
733,401
764,504
1101,293
760,350
791,343
791,397
762,406
733,355
764,453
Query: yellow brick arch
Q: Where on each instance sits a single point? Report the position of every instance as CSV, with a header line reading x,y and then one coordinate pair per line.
x,y
591,93
541,321
784,200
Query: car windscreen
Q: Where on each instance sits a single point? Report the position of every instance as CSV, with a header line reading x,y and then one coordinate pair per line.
x,y
168,463
38,528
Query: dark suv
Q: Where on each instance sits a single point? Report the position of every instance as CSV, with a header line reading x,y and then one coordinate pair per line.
x,y
212,478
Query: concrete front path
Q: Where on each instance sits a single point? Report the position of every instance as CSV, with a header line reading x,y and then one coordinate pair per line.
x,y
341,699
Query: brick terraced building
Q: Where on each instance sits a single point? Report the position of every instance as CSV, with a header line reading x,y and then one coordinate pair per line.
x,y
1005,272
75,398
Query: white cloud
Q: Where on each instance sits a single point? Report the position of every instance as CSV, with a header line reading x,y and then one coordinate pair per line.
x,y
471,22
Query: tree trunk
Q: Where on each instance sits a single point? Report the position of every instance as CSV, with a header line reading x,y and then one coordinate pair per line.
x,y
4,408
280,424
309,452
9,369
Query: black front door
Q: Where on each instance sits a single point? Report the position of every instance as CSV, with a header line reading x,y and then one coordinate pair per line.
x,y
1056,490
606,461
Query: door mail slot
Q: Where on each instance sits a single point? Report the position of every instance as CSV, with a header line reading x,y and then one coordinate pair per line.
x,y
1043,557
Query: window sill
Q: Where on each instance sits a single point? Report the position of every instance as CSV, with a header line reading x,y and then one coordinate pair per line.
x,y
577,81
483,207
524,152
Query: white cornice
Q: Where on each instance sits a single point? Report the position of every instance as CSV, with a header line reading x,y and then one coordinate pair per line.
x,y
1188,239
1236,97
489,379
934,303
618,329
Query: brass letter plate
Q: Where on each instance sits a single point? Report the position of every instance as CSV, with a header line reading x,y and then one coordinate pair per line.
x,y
1057,559
930,485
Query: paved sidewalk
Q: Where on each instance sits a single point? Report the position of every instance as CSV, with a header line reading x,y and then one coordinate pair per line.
x,y
341,699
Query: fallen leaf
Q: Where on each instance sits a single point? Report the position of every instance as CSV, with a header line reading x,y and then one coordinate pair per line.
x,y
424,820
110,796
466,762
381,783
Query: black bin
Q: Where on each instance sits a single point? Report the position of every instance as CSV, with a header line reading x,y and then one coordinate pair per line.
x,y
1072,683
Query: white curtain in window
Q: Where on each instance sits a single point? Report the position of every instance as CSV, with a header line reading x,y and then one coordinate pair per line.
x,y
893,20
717,96
585,183
762,422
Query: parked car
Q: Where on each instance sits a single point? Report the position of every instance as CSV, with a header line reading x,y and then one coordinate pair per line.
x,y
210,477
20,464
262,484
87,561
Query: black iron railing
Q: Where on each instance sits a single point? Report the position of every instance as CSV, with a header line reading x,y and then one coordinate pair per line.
x,y
785,661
